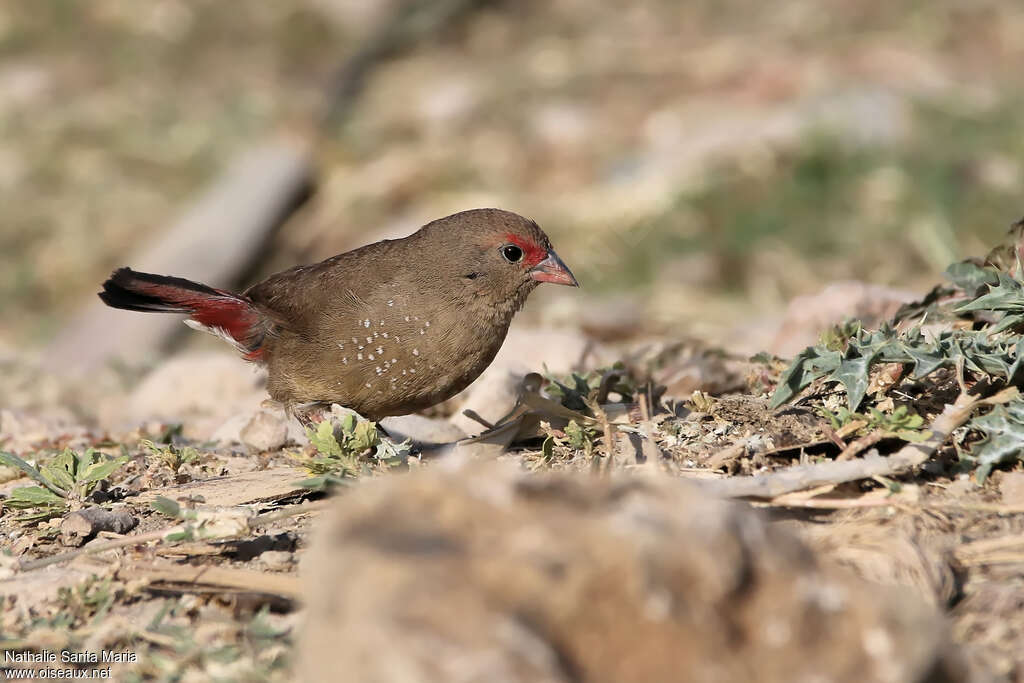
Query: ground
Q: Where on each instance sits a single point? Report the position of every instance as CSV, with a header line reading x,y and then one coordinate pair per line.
x,y
701,163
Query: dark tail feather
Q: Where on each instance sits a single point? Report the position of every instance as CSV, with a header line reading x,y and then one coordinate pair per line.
x,y
135,291
220,312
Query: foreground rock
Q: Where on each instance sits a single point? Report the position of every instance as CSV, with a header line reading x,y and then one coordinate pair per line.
x,y
482,573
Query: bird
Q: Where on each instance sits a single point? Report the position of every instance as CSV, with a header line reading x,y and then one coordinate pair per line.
x,y
386,329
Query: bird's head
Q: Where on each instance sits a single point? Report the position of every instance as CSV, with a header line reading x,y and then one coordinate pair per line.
x,y
498,255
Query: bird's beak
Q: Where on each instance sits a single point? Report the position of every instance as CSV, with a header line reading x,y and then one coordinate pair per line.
x,y
553,270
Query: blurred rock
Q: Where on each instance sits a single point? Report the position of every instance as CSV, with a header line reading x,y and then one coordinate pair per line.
x,y
265,431
24,431
525,350
199,389
421,429
891,552
260,430
808,316
481,572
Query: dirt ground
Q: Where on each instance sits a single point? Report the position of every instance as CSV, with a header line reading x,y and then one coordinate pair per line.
x,y
703,163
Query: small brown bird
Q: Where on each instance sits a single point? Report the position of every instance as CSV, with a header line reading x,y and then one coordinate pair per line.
x,y
386,329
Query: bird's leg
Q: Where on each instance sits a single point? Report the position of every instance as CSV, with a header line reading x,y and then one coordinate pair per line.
x,y
310,415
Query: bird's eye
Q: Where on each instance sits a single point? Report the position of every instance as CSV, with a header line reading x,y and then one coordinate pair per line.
x,y
512,253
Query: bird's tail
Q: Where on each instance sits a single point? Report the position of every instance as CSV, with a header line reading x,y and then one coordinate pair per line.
x,y
230,316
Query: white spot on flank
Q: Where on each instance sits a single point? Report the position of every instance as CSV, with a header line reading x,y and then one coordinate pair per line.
x,y
415,352
378,370
422,331
427,323
370,356
360,347
382,323
413,371
369,386
374,335
366,323
345,360
403,372
406,318
394,360
369,340
380,349
359,356
385,335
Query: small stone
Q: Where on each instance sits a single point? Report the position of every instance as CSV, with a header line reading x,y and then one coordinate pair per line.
x,y
277,560
265,431
421,429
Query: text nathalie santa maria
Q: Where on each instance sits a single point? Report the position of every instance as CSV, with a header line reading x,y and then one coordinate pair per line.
x,y
70,657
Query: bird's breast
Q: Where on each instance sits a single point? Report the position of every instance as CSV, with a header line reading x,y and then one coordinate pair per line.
x,y
395,360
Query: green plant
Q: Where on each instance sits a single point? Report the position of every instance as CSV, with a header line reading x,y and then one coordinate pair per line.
x,y
65,481
900,422
984,310
341,448
1002,442
576,390
575,437
172,456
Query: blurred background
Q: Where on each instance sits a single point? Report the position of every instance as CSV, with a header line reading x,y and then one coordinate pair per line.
x,y
697,163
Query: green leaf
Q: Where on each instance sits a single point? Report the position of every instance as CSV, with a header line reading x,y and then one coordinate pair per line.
x,y
852,373
926,361
1008,295
31,497
971,277
324,482
1003,443
393,454
547,449
166,506
812,363
364,437
11,460
59,470
102,469
577,436
323,439
184,535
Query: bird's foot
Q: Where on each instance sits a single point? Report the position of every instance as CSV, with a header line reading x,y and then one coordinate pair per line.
x,y
310,415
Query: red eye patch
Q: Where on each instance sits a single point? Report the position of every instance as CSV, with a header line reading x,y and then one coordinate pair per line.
x,y
533,253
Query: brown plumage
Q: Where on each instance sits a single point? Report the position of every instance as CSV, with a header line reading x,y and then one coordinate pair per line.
x,y
386,329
